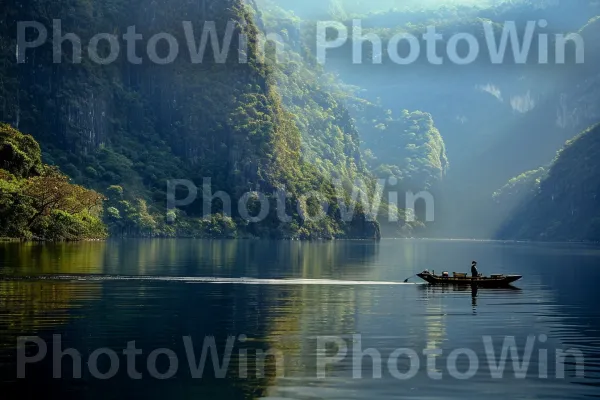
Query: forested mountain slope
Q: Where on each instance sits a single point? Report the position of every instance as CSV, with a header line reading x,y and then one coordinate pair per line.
x,y
344,135
397,145
496,120
126,128
565,204
491,121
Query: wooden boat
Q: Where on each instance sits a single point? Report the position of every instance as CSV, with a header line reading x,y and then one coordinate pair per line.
x,y
497,280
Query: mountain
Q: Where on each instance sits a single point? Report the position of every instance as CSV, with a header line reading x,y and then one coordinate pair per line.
x,y
243,125
563,102
343,128
126,128
563,205
496,120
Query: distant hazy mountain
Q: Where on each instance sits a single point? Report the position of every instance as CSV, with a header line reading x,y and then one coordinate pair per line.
x,y
565,203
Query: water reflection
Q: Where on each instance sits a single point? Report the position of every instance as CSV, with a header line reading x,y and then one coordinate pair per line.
x,y
100,314
27,308
287,319
53,258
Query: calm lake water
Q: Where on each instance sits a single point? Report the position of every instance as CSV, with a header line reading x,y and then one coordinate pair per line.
x,y
285,299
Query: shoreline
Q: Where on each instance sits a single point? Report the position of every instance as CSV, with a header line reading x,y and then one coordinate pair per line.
x,y
44,241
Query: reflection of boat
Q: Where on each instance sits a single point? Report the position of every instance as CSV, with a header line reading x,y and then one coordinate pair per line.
x,y
463,279
467,288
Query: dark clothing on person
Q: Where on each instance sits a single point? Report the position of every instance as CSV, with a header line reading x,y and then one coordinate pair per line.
x,y
474,271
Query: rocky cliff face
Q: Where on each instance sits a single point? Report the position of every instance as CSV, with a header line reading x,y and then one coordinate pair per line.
x,y
160,109
188,106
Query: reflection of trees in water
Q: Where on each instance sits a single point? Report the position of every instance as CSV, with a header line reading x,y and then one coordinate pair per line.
x,y
305,312
152,313
296,315
252,258
170,257
287,319
29,307
435,317
52,258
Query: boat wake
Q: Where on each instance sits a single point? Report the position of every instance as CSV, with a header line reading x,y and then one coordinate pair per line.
x,y
197,279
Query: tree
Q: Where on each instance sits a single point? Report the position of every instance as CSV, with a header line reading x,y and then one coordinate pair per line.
x,y
37,200
52,191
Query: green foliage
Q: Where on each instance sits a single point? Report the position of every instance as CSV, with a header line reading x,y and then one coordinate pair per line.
x,y
218,226
37,201
330,140
332,116
333,119
520,187
60,225
408,148
19,154
138,126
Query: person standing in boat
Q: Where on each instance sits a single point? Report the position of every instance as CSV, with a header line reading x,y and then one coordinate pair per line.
x,y
474,271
